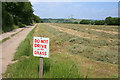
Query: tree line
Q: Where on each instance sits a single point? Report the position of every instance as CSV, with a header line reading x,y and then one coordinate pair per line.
x,y
17,14
107,21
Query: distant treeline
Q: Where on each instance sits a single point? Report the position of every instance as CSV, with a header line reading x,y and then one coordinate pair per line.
x,y
17,14
107,21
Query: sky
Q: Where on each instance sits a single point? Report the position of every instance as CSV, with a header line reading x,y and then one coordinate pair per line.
x,y
79,10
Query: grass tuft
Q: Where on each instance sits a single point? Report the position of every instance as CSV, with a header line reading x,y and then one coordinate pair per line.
x,y
5,39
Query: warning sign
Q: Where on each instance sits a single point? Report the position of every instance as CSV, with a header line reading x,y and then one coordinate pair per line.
x,y
41,47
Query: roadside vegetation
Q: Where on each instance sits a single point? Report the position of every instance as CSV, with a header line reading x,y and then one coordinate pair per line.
x,y
17,14
70,57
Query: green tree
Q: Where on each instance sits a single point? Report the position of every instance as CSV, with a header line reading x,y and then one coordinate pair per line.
x,y
108,20
7,19
85,21
75,22
112,21
92,22
37,19
99,22
17,13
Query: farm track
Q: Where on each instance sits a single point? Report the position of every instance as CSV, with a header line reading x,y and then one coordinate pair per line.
x,y
8,48
8,34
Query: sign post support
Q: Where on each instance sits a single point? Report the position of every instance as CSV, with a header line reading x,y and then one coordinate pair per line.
x,y
41,50
41,67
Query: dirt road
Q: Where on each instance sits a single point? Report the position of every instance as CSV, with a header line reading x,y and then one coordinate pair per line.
x,y
8,34
8,48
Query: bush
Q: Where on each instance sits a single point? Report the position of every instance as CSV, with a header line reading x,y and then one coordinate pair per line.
x,y
99,22
75,22
112,21
68,22
85,22
21,25
92,22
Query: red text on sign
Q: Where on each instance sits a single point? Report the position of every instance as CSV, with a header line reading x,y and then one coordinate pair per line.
x,y
37,40
40,46
40,53
44,41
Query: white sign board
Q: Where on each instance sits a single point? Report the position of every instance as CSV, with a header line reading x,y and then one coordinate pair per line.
x,y
41,47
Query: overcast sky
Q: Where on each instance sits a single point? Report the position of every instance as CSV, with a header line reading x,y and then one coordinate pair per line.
x,y
79,10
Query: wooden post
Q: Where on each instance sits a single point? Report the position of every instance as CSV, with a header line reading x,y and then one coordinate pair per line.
x,y
41,68
41,65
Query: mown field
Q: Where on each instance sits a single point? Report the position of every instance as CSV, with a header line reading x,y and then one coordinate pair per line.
x,y
76,51
98,42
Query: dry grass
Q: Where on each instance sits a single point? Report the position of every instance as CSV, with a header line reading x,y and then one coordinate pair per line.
x,y
75,33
